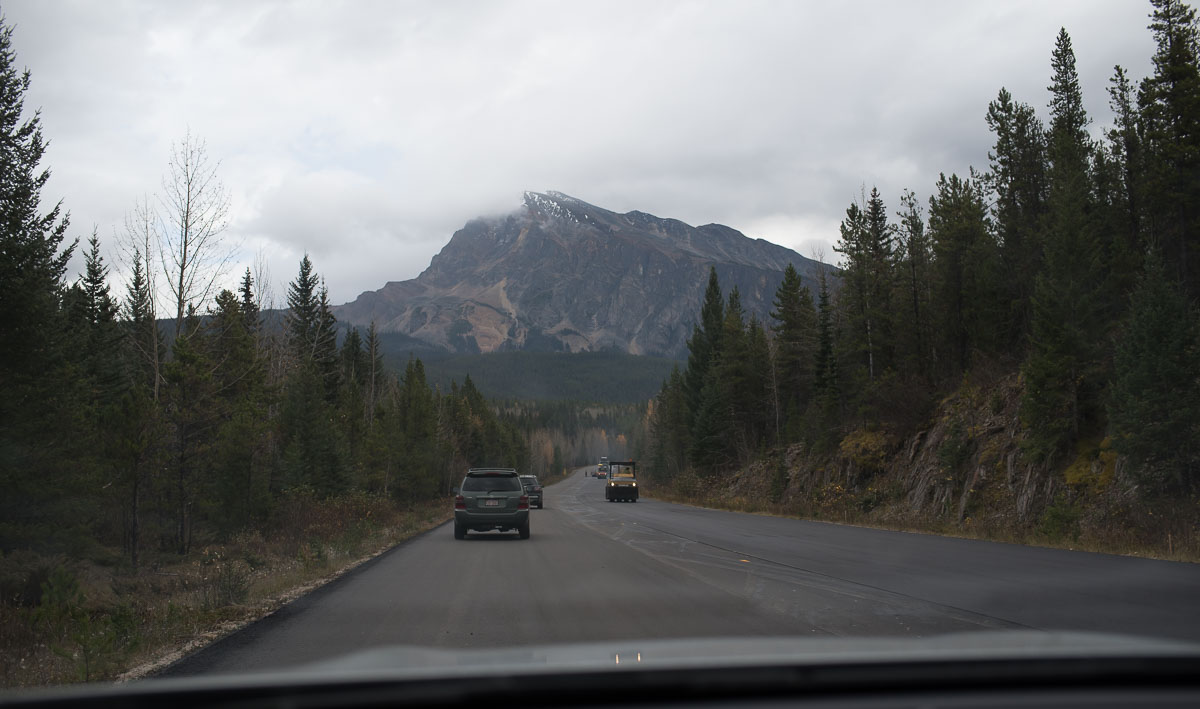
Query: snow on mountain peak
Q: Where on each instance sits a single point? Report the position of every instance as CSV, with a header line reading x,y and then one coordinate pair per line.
x,y
555,204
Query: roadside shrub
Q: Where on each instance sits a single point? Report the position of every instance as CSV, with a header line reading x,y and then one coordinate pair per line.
x,y
868,450
1060,520
955,449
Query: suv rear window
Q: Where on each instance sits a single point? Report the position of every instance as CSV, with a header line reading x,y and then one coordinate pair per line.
x,y
484,483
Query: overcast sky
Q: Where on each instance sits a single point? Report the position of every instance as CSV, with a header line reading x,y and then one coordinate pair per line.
x,y
366,133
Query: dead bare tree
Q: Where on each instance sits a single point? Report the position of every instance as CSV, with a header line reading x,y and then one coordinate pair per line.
x,y
195,209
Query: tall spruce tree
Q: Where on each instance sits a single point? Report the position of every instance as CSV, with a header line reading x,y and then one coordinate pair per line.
x,y
915,272
1169,102
1062,377
868,245
824,412
795,332
705,343
1154,401
35,416
966,273
1017,181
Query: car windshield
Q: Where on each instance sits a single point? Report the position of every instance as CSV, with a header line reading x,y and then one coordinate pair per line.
x,y
490,483
377,333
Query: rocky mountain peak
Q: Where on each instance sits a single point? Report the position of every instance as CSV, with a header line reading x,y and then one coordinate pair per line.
x,y
561,274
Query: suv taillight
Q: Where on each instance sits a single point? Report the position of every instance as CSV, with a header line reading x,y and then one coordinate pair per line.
x,y
460,502
524,503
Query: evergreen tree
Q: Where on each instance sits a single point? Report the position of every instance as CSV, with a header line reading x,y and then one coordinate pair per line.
x,y
303,315
417,412
374,371
966,273
1170,110
35,410
142,332
238,488
1062,377
825,412
795,332
192,414
1017,181
309,435
96,334
868,244
915,272
1126,146
1154,401
249,303
705,342
669,427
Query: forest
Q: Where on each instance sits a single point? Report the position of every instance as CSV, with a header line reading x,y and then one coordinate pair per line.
x,y
1072,260
173,430
169,432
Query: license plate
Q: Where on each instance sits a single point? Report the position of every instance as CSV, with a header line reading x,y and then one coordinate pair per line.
x,y
491,503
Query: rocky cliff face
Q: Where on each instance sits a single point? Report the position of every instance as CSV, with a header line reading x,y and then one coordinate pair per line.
x,y
560,274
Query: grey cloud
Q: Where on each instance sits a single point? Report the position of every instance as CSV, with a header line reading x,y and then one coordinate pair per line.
x,y
367,132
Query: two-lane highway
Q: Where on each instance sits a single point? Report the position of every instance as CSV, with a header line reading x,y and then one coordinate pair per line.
x,y
595,571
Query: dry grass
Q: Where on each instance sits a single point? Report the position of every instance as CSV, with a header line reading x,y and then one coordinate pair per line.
x,y
1170,533
102,624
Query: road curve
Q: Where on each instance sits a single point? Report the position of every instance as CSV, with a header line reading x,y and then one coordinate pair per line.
x,y
597,571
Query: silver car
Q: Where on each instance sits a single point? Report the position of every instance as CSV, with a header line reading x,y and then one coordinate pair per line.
x,y
533,488
491,499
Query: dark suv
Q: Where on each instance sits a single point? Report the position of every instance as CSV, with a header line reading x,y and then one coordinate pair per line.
x,y
533,488
491,499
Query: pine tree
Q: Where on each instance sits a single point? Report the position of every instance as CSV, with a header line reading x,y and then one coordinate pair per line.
x,y
966,273
141,328
1154,401
1169,103
1127,147
249,303
1017,181
705,344
669,428
303,315
868,244
374,359
825,410
138,435
96,334
915,271
1062,380
795,332
36,415
238,486
417,412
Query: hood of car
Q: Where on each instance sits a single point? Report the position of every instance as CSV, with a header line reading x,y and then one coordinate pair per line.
x,y
702,668
751,651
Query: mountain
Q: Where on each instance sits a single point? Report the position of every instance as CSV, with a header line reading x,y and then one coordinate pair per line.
x,y
559,274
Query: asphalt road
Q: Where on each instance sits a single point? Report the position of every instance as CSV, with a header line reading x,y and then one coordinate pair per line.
x,y
598,571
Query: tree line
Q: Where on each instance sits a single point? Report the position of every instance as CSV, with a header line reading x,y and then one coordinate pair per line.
x,y
119,430
1072,260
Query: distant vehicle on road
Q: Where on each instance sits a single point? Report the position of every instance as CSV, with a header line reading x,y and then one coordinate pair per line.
x,y
602,471
491,499
622,484
533,489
